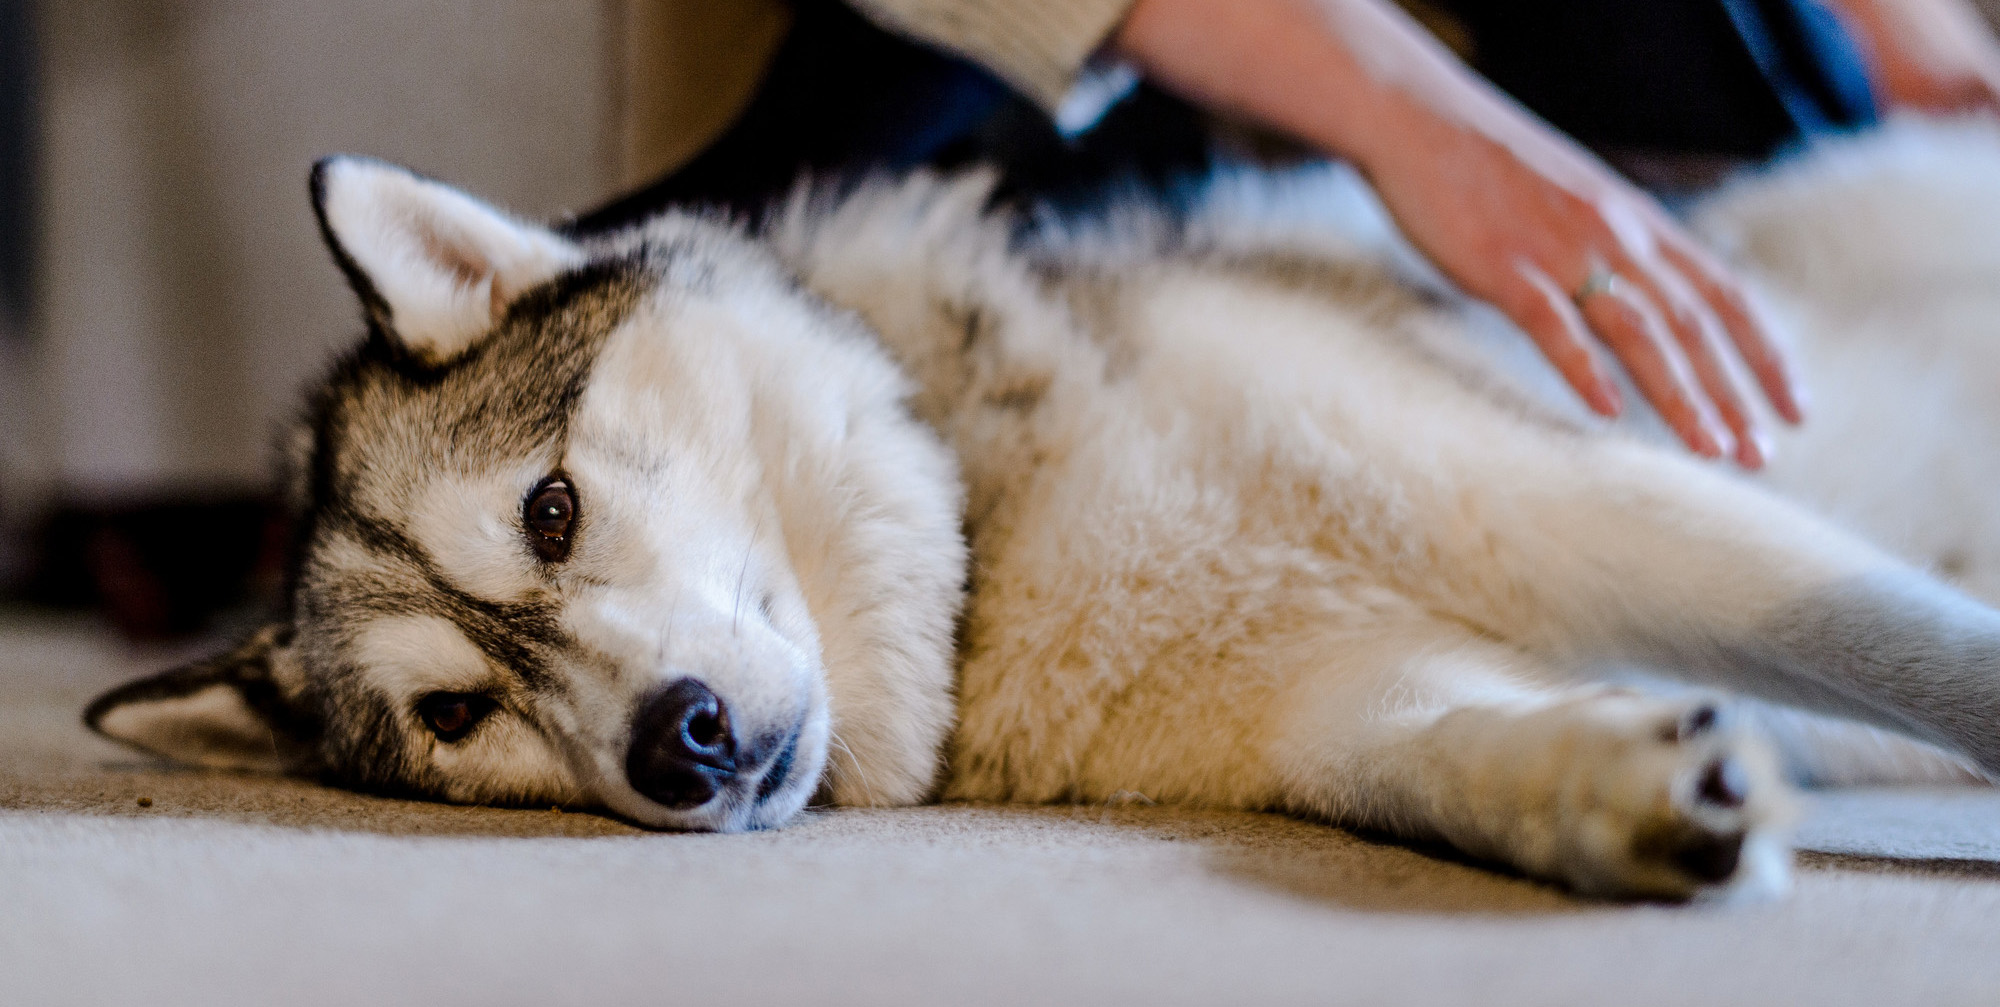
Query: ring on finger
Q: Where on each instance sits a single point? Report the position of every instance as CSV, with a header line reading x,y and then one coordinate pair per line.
x,y
1602,280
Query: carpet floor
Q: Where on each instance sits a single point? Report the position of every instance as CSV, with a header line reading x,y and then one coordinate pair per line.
x,y
124,881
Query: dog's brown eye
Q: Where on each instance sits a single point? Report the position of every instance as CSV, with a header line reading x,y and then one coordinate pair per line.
x,y
550,516
451,715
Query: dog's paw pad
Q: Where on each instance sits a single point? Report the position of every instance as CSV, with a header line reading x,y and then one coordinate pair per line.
x,y
1725,783
1707,857
1727,793
1694,803
1686,855
1695,722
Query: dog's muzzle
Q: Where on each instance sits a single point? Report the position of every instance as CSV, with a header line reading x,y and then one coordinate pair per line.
x,y
685,751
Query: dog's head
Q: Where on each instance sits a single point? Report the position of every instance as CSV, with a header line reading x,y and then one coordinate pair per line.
x,y
635,523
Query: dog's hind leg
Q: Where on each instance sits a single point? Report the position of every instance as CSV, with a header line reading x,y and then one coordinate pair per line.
x,y
1442,735
1655,559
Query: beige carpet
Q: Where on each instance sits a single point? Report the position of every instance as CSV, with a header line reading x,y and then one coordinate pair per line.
x,y
242,890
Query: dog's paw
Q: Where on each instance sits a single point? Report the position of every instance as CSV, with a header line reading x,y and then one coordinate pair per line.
x,y
1663,799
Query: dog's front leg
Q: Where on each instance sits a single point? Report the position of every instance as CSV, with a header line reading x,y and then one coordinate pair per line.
x,y
1607,791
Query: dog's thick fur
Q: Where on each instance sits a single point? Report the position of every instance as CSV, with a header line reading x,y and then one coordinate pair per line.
x,y
1237,509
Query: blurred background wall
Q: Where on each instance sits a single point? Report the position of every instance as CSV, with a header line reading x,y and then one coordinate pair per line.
x,y
175,294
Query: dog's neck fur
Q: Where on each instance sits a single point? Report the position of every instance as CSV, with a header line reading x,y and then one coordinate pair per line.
x,y
986,340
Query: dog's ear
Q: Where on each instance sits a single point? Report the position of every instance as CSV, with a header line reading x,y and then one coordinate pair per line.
x,y
434,268
237,710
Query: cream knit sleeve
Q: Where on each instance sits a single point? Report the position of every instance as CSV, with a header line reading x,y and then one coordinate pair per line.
x,y
1039,46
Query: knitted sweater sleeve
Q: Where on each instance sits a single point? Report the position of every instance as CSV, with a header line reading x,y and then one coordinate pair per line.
x,y
1038,46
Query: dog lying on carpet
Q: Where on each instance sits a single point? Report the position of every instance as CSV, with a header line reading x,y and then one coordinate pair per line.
x,y
905,497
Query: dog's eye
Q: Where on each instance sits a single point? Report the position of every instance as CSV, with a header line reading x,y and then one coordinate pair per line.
x,y
451,715
549,517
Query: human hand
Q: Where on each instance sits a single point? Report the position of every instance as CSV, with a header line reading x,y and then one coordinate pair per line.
x,y
1525,221
1513,212
1930,55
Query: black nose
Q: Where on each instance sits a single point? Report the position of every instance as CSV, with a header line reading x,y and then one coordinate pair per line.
x,y
682,749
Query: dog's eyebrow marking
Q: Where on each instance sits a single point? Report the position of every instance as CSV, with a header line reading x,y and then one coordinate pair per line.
x,y
378,535
511,634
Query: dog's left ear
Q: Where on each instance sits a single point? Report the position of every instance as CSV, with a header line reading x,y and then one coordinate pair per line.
x,y
434,268
237,710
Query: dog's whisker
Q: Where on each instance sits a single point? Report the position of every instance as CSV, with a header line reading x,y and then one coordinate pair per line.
x,y
834,740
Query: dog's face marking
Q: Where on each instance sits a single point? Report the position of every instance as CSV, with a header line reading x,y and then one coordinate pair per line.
x,y
542,560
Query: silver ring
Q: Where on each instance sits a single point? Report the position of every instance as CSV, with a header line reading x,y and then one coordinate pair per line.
x,y
1601,281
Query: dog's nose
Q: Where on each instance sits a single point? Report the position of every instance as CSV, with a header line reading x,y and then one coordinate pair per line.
x,y
682,748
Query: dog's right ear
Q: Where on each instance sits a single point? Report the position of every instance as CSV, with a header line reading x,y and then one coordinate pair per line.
x,y
434,268
237,710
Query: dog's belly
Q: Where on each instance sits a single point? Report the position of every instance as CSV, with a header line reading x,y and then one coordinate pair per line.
x,y
1903,449
1268,479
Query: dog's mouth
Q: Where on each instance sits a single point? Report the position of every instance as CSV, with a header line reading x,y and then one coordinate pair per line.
x,y
789,778
781,767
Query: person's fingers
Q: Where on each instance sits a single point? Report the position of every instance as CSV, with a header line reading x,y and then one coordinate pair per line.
x,y
1544,311
1747,331
1701,340
1971,91
1633,329
1984,94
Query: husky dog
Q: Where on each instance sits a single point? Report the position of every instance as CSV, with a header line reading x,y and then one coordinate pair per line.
x,y
903,496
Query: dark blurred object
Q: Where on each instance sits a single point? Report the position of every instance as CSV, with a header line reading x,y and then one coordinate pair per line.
x,y
19,95
159,569
843,98
1738,78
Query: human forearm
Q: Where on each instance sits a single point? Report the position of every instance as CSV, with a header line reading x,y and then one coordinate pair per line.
x,y
1339,74
1932,55
1355,78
